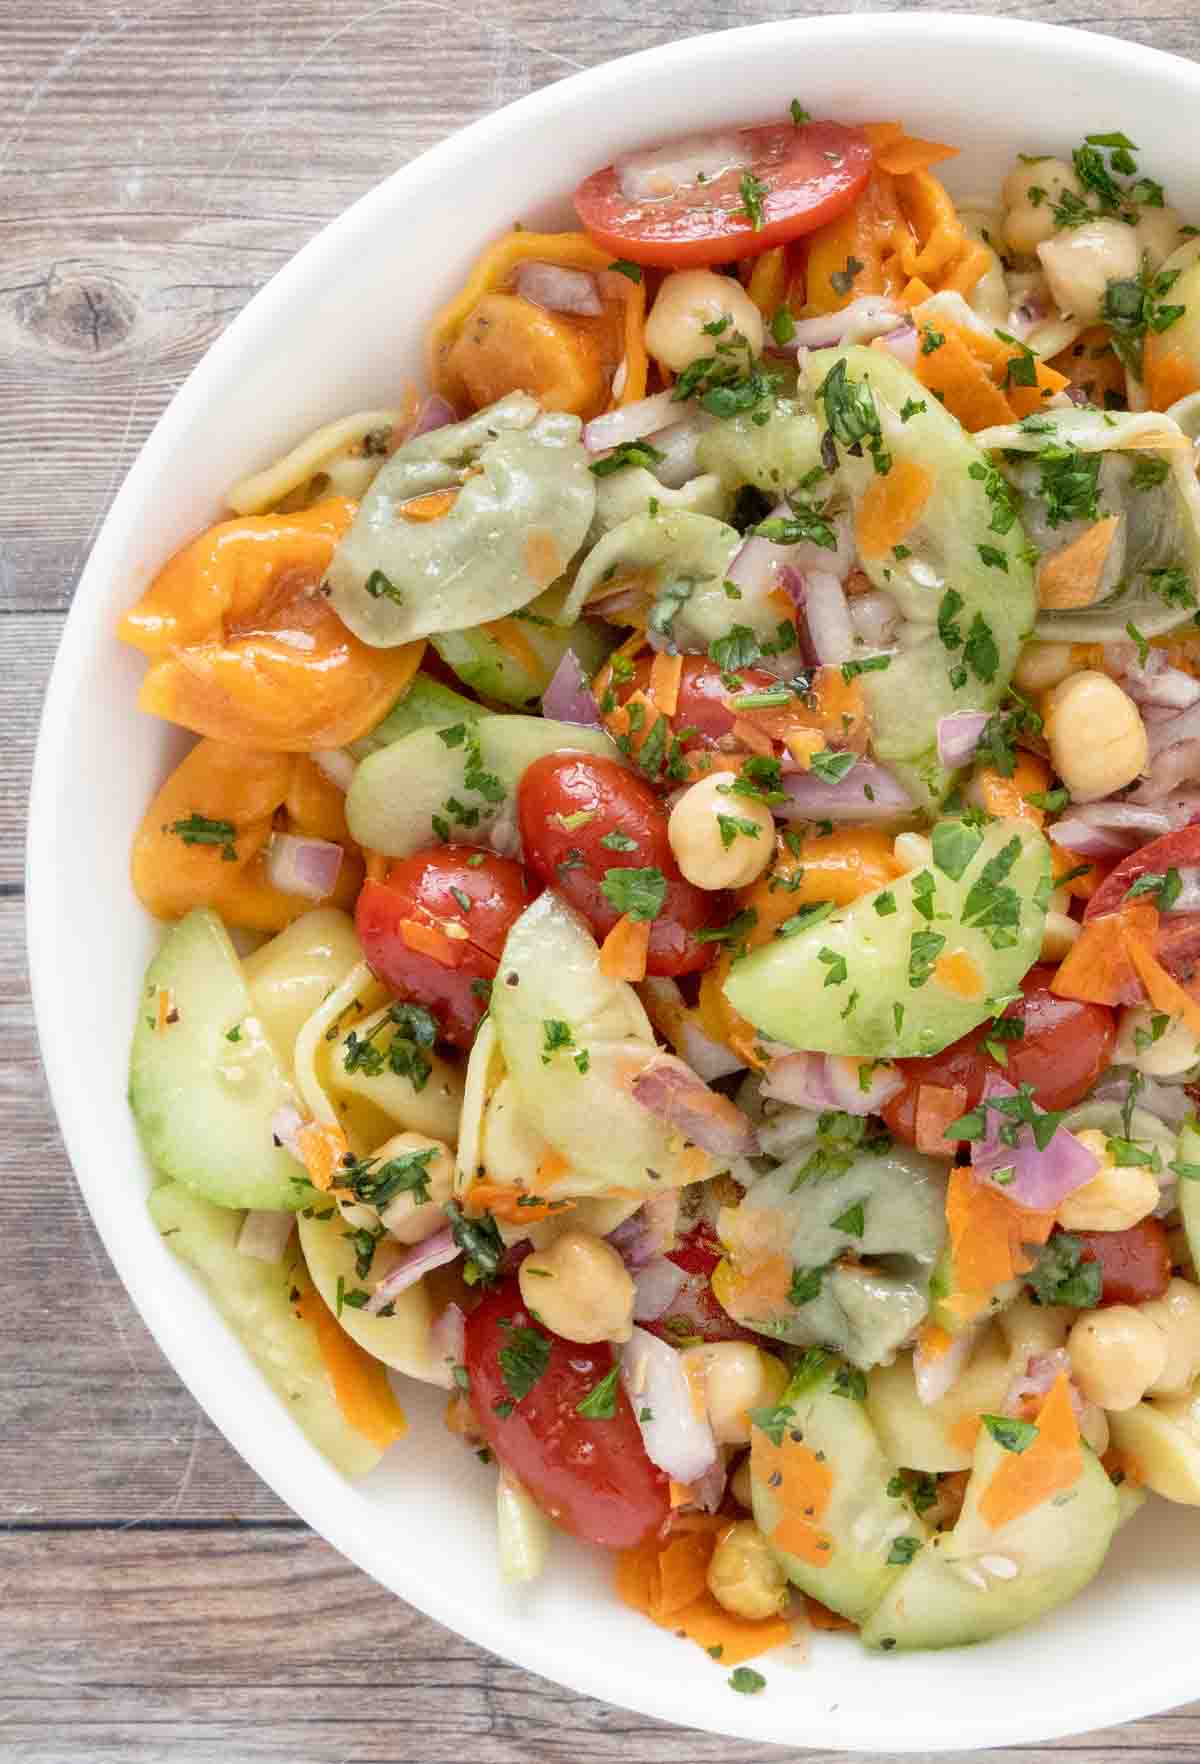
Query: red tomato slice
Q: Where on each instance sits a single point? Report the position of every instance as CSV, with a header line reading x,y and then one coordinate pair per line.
x,y
591,1476
1134,1265
568,804
696,1310
467,900
702,705
1174,851
803,176
1065,1048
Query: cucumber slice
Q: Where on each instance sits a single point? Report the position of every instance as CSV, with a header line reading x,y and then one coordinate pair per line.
x,y
426,704
442,783
1188,1193
861,1519
252,1297
482,662
550,972
204,1103
401,1340
869,982
929,1436
1163,1438
961,1587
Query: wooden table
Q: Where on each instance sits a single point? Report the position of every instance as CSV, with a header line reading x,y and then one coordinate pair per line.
x,y
159,159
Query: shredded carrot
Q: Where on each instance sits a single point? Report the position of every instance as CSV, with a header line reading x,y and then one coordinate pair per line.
x,y
512,1205
1164,992
620,721
1083,886
1050,1463
1099,966
322,1149
623,952
164,1006
1071,576
898,152
960,380
967,269
666,672
1170,372
891,507
668,1582
987,1234
751,736
767,286
915,292
359,1381
433,506
937,1106
1009,797
429,941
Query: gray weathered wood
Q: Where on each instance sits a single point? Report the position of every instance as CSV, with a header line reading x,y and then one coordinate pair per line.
x,y
159,159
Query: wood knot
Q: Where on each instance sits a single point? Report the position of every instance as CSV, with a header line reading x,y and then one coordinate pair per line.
x,y
78,315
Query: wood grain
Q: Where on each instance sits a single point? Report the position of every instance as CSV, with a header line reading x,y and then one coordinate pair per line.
x,y
159,159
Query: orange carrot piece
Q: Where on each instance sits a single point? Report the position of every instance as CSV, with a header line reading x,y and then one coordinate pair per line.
x,y
359,1381
803,1483
1009,797
767,286
1099,967
666,672
910,154
668,1583
514,1206
322,1148
1050,1464
623,952
433,506
891,507
937,1106
429,941
987,1236
961,381
1164,992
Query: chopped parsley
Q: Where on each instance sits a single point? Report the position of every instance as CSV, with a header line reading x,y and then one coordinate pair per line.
x,y
752,191
746,1680
1135,306
902,1551
523,1359
626,453
852,415
1013,1435
832,767
836,965
414,1032
798,113
931,340
381,587
732,827
618,841
733,932
1060,1276
481,1244
842,281
853,1221
806,522
806,1286
1069,483
378,1184
783,326
640,893
199,830
623,267
600,1403
913,407
954,845
923,951
1149,471
1164,887
807,917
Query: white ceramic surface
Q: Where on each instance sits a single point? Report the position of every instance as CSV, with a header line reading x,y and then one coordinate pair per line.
x,y
339,328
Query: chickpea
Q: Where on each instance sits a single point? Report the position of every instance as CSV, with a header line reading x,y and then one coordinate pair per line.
x,y
1060,930
1157,234
1116,1355
1081,263
720,841
1030,193
912,850
1118,1195
737,1376
744,1575
579,1288
1041,666
406,1217
1170,1053
1093,1428
1176,1315
1097,738
740,1486
687,301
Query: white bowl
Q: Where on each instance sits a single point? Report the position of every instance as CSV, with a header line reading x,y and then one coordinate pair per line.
x,y
340,328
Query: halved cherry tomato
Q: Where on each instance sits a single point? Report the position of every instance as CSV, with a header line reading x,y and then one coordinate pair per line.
x,y
434,928
1174,851
1065,1048
702,703
1134,1264
791,180
568,805
591,1476
696,1310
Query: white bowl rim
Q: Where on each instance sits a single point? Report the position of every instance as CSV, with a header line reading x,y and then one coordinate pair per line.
x,y
1159,1685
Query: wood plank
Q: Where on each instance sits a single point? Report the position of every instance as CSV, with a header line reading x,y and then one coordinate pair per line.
x,y
29,641
184,1648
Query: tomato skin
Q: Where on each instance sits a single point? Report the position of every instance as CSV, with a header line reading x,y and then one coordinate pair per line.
x,y
1179,851
420,888
702,699
592,1477
574,861
1065,1048
1135,1264
811,174
697,1253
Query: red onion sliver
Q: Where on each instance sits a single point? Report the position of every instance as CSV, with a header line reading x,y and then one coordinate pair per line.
x,y
828,1081
672,1091
827,616
434,413
557,289
656,1287
264,1234
868,316
448,1336
868,792
1039,1180
308,867
958,737
629,423
902,343
1170,767
568,698
434,1252
676,1439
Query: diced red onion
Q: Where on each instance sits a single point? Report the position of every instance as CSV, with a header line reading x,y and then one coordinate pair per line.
x,y
677,1022
761,565
308,867
434,1252
827,616
708,1491
568,698
335,764
1087,841
828,1081
875,616
1108,828
448,1336
676,1439
629,423
654,173
868,316
958,736
649,1232
678,445
1039,1180
264,1234
868,792
1171,767
1154,680
435,413
1169,1102
709,1059
1165,732
674,1093
656,1287
286,1125
936,1374
558,289
902,343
